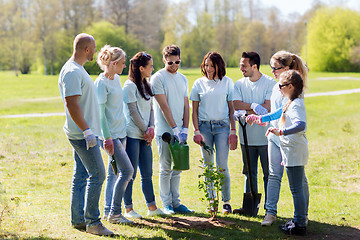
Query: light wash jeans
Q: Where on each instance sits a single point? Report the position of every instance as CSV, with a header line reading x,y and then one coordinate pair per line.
x,y
116,185
169,180
256,152
300,192
217,133
88,177
276,171
140,154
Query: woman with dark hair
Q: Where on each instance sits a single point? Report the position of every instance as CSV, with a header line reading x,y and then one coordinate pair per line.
x,y
212,116
140,131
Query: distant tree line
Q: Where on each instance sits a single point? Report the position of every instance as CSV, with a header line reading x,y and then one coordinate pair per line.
x,y
37,35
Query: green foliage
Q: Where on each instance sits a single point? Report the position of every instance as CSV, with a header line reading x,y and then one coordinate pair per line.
x,y
332,34
210,183
108,33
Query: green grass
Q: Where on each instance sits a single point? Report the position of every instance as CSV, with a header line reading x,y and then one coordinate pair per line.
x,y
36,168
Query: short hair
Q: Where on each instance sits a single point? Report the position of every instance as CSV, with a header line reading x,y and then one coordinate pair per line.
x,y
171,50
216,60
254,58
82,41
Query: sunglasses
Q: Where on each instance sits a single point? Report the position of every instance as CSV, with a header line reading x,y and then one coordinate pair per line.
x,y
145,55
172,62
275,69
283,85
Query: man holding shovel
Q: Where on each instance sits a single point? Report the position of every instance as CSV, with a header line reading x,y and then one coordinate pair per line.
x,y
252,94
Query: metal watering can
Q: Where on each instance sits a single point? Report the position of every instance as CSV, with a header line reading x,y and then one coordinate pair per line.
x,y
179,152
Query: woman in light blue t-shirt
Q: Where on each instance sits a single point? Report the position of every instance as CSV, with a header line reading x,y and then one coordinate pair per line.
x,y
109,94
212,116
140,131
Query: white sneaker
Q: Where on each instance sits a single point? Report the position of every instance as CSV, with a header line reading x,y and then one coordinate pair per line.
x,y
119,219
99,229
268,220
132,214
156,212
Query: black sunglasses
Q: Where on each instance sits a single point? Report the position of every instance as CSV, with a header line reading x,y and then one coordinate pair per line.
x,y
145,55
283,85
172,62
275,69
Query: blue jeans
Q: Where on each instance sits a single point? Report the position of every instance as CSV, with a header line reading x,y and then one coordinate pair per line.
x,y
217,132
276,171
255,152
88,177
116,185
169,180
140,154
300,192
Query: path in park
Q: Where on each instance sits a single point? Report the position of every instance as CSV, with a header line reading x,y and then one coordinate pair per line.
x,y
333,93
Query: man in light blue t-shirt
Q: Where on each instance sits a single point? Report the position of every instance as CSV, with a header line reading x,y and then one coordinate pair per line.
x,y
170,90
252,94
82,128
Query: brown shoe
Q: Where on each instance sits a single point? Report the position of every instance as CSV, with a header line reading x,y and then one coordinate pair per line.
x,y
239,211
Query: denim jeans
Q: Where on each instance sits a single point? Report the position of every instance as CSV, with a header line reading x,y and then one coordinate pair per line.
x,y
116,185
88,177
169,180
255,152
300,192
217,133
276,171
140,154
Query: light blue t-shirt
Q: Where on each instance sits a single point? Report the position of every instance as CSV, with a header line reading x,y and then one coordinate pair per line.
x,y
110,93
254,92
277,101
74,80
213,97
294,147
132,94
175,88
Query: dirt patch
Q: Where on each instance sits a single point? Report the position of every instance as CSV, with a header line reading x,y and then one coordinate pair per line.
x,y
187,222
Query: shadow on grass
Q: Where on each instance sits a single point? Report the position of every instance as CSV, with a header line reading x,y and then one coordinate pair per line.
x,y
12,236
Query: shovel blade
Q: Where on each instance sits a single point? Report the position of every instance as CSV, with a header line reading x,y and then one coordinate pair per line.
x,y
251,204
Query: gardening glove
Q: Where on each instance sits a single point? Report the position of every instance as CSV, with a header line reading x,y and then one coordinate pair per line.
x,y
149,135
233,140
276,131
176,132
108,145
198,138
89,138
255,119
183,135
258,109
238,114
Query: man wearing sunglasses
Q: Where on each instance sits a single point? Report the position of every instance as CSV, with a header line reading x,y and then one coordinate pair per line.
x,y
171,115
252,93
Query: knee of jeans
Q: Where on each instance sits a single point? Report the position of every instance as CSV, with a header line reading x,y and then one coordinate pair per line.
x,y
165,172
128,174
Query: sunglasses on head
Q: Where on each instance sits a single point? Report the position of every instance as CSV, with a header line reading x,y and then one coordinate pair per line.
x,y
145,55
283,85
172,62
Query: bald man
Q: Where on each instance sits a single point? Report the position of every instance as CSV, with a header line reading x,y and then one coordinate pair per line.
x,y
82,128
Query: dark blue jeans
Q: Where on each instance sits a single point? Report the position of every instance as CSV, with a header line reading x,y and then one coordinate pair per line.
x,y
140,154
255,152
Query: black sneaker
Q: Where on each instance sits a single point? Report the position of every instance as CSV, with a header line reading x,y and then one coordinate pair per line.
x,y
227,209
292,228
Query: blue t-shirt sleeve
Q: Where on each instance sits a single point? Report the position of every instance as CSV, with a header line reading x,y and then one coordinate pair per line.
x,y
129,91
271,116
156,85
295,128
194,95
230,93
237,91
269,90
186,93
101,91
72,84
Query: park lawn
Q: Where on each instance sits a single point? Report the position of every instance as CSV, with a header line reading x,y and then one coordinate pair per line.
x,y
36,168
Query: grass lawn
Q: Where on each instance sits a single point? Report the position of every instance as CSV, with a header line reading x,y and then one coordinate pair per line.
x,y
36,168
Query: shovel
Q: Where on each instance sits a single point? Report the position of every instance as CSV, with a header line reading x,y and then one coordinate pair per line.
x,y
251,200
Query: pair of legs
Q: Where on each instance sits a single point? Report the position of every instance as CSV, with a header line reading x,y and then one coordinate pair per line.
x,y
116,185
140,155
255,152
217,133
169,180
88,177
